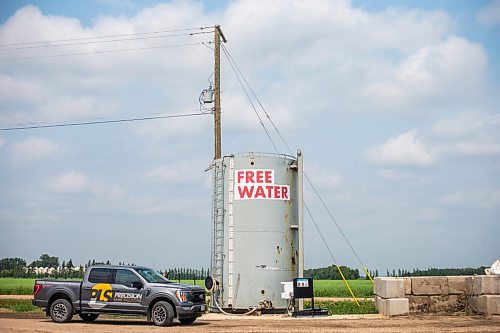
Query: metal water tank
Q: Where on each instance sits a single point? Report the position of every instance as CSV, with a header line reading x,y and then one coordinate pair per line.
x,y
255,229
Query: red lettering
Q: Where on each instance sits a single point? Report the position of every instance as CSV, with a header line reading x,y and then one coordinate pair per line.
x,y
277,194
269,176
249,177
260,176
284,192
245,191
240,176
269,191
260,192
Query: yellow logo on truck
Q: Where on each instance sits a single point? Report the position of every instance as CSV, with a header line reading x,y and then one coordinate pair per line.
x,y
100,294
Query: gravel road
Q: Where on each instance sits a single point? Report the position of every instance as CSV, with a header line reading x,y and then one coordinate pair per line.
x,y
35,322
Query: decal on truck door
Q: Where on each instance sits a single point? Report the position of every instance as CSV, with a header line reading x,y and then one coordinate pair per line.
x,y
103,293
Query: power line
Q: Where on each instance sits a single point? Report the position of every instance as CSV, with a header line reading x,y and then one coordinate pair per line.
x,y
249,98
104,41
107,36
110,121
103,52
305,174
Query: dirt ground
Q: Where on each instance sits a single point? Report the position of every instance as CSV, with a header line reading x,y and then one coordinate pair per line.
x,y
36,322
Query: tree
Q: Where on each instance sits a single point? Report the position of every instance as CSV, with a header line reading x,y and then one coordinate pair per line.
x,y
69,265
46,261
12,263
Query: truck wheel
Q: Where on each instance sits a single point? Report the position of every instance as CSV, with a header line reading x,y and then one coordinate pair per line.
x,y
61,311
187,321
89,316
162,314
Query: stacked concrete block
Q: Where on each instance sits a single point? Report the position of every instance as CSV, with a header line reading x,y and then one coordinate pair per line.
x,y
484,292
390,297
431,294
429,285
407,282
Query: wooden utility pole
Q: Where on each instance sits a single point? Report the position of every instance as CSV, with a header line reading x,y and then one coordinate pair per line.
x,y
217,116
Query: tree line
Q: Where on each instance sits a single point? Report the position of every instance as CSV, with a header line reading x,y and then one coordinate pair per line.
x,y
437,272
50,266
332,273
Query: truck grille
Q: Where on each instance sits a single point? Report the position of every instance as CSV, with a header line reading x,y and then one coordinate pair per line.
x,y
198,296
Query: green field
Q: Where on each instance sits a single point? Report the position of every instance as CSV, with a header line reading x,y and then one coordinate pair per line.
x,y
344,307
24,286
337,288
322,288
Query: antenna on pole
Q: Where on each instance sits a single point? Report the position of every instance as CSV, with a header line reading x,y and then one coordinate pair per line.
x,y
217,114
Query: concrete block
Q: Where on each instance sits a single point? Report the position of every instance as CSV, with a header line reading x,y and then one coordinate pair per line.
x,y
393,306
485,304
448,303
469,285
407,281
389,287
429,285
456,285
379,305
486,285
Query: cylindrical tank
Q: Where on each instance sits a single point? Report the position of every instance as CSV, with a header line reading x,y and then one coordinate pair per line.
x,y
255,230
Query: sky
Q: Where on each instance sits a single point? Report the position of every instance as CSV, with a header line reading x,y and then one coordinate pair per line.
x,y
395,105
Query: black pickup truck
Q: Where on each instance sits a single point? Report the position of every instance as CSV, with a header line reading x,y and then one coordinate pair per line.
x,y
120,290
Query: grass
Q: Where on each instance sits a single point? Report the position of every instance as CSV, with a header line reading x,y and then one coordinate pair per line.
x,y
337,288
344,307
24,286
18,305
16,286
322,288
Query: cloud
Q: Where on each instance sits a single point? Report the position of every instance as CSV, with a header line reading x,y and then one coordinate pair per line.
x,y
34,149
453,198
435,74
456,126
403,150
70,182
489,15
181,172
323,178
492,199
471,148
394,175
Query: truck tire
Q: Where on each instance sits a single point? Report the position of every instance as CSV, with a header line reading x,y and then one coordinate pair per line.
x,y
162,314
61,311
187,321
89,316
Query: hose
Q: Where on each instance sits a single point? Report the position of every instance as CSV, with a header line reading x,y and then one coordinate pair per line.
x,y
234,314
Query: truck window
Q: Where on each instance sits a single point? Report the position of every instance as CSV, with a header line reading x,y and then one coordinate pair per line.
x,y
101,275
150,275
126,277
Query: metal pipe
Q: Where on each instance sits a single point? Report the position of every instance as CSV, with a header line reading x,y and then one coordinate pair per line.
x,y
300,199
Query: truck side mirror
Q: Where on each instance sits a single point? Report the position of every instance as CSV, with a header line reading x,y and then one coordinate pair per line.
x,y
137,284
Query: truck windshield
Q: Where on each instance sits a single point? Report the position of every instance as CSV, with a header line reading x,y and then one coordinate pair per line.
x,y
150,275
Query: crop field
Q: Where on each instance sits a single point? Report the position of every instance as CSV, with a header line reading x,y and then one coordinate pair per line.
x,y
337,288
322,288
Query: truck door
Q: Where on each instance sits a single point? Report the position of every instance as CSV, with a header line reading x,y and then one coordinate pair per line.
x,y
97,290
127,297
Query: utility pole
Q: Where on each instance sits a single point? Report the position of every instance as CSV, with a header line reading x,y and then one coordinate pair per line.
x,y
217,115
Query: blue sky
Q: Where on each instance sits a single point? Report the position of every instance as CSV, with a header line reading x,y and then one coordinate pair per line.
x,y
394,104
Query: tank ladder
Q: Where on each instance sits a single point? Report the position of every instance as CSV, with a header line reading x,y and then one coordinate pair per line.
x,y
218,223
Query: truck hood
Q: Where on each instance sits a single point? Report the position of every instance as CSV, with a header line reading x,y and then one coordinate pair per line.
x,y
176,285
